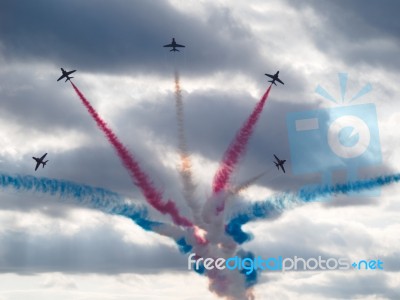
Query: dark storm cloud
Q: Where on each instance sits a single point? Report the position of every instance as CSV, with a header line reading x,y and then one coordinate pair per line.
x,y
98,250
122,36
354,31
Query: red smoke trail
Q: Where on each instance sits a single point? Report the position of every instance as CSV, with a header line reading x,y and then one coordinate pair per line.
x,y
139,178
237,147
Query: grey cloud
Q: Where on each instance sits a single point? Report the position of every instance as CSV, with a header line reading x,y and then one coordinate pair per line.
x,y
98,250
349,27
392,261
367,18
40,107
340,287
122,36
51,206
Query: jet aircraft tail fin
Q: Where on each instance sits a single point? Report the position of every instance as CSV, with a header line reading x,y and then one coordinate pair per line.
x,y
273,81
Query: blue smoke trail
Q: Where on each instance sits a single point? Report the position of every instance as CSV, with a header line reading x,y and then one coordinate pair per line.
x,y
270,208
97,197
94,197
184,247
136,213
274,206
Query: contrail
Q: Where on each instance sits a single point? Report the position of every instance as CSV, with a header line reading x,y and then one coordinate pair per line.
x,y
237,147
276,205
139,178
185,170
245,185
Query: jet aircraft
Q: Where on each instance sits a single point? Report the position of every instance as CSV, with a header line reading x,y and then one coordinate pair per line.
x,y
279,163
173,45
40,161
65,74
274,78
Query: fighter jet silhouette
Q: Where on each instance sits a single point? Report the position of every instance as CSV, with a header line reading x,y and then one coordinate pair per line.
x,y
274,78
279,163
40,161
65,74
173,45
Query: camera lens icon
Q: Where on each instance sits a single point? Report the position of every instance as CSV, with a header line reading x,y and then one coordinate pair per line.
x,y
329,140
349,136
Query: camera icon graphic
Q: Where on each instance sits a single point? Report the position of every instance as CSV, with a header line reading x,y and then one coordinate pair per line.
x,y
343,138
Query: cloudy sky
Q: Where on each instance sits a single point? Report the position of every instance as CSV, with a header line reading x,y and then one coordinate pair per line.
x,y
51,248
